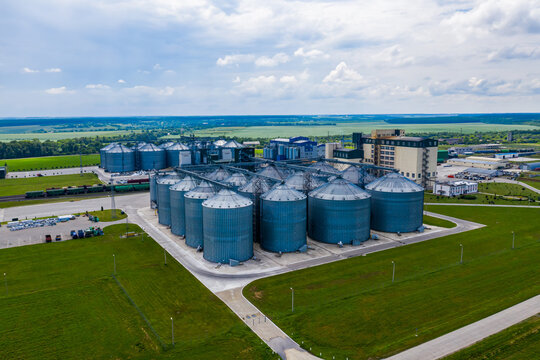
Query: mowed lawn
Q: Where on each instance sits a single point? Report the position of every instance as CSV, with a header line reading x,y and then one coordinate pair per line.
x,y
20,186
50,162
507,189
479,199
352,309
62,303
521,341
431,220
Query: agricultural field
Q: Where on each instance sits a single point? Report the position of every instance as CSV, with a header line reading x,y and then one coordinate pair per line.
x,y
348,128
430,220
520,341
5,137
61,301
351,308
49,162
20,186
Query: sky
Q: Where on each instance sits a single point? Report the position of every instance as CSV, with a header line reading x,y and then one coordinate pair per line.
x,y
202,57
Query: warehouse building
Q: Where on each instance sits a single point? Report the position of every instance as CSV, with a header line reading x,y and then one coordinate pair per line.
x,y
299,147
455,188
534,166
481,164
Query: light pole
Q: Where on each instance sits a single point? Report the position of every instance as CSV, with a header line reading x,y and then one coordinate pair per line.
x,y
292,299
172,330
513,239
461,258
393,270
165,255
114,263
5,282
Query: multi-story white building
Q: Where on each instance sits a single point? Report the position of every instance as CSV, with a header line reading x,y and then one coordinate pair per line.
x,y
455,188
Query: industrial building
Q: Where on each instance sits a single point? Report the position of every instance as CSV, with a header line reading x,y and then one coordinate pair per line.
x,y
532,166
481,164
455,188
3,172
299,147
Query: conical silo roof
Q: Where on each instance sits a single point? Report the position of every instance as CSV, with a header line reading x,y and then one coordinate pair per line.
x,y
237,179
220,142
297,181
339,189
187,184
394,182
219,175
233,144
169,179
321,165
177,146
283,192
119,148
166,145
227,199
353,174
110,146
255,185
203,191
272,172
150,147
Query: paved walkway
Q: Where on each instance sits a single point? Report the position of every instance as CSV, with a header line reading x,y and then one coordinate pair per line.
x,y
470,334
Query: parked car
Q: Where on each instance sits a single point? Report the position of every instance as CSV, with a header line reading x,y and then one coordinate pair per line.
x,y
58,238
48,238
73,234
80,234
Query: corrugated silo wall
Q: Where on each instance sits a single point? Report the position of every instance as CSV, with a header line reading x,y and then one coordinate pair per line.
x,y
178,216
164,204
103,159
228,234
152,160
283,225
396,212
256,218
153,189
173,158
120,161
194,222
332,221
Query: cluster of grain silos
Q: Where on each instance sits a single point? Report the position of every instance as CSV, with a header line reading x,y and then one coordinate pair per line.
x,y
120,158
222,212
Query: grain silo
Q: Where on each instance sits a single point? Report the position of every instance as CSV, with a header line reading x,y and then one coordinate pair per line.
x,y
103,155
324,166
303,182
194,215
165,145
163,197
178,214
272,172
253,190
237,180
396,204
152,157
339,211
138,154
178,154
283,219
228,233
153,189
219,175
120,159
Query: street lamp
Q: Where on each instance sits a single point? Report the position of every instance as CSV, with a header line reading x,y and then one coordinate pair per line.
x,y
165,255
513,239
292,299
172,330
5,282
461,259
393,270
114,263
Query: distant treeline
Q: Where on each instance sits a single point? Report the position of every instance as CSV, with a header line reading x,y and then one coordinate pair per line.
x,y
530,119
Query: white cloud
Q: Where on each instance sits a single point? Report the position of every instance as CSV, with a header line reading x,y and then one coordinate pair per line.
x,y
234,59
29,71
97,87
149,90
59,91
311,54
236,80
265,61
157,67
121,81
288,79
256,85
342,74
513,52
393,56
53,70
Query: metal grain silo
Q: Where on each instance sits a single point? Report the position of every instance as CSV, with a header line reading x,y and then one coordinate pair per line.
x,y
303,182
120,159
237,180
253,189
339,211
219,175
138,154
178,154
164,199
103,155
165,145
153,190
194,215
228,232
178,214
272,172
152,157
397,204
324,166
283,219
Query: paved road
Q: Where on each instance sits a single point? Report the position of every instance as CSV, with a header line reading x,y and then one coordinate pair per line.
x,y
470,334
507,206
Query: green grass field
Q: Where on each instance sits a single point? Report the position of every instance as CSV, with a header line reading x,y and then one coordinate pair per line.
x,y
49,162
535,184
351,308
507,189
480,199
430,220
348,128
62,303
521,341
106,215
22,185
62,135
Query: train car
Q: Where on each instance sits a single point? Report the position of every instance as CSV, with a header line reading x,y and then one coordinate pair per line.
x,y
35,194
94,189
55,192
75,190
141,187
123,188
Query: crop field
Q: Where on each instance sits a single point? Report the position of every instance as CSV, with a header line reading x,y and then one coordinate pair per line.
x,y
348,128
61,135
20,186
521,341
351,308
61,302
49,162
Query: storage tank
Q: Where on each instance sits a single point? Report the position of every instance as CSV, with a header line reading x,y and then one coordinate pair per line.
x,y
219,175
152,157
303,182
165,145
368,177
237,180
194,215
153,190
228,232
178,154
339,211
138,154
397,204
253,190
354,175
103,155
283,219
272,172
164,199
324,166
178,214
120,159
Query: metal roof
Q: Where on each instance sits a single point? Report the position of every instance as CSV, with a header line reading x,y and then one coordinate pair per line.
x,y
353,174
233,144
481,171
111,145
236,179
321,165
283,193
150,147
297,181
219,175
189,183
118,148
394,182
177,146
203,191
166,145
477,161
220,142
227,199
339,189
271,171
169,179
251,186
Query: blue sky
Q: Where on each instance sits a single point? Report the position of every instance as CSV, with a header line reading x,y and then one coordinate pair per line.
x,y
201,57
